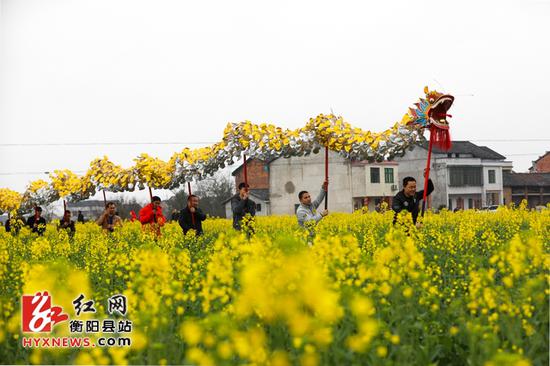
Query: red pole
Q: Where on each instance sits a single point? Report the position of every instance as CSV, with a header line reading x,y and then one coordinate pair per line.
x,y
326,176
245,172
427,175
104,198
192,213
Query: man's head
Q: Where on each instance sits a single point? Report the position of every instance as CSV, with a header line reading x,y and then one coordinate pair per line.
x,y
304,197
409,186
67,215
243,187
111,208
193,201
38,210
156,201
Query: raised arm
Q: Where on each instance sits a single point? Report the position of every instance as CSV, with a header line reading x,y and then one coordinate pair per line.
x,y
420,194
201,216
320,198
100,219
237,206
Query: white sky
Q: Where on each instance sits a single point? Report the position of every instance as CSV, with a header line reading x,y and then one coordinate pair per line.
x,y
178,71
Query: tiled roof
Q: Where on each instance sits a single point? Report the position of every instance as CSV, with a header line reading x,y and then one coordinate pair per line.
x,y
467,147
525,179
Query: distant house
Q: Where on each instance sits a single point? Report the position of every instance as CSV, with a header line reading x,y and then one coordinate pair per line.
x,y
542,164
533,187
467,176
91,209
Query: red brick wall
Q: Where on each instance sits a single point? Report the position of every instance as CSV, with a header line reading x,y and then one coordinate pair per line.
x,y
543,165
258,175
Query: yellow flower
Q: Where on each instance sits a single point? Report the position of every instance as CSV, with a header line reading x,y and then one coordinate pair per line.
x,y
381,351
191,332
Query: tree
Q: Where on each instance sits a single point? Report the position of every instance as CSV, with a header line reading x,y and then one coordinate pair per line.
x,y
211,191
125,205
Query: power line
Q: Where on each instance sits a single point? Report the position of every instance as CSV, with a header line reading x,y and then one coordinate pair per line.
x,y
509,140
35,173
105,143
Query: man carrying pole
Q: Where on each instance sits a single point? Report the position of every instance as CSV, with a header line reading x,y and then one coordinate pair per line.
x,y
151,215
307,210
191,217
408,198
242,205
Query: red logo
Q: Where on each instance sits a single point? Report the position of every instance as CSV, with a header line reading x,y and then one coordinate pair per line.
x,y
38,314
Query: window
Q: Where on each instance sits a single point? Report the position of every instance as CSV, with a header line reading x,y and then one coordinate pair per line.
x,y
375,175
465,176
388,175
258,207
492,176
470,203
492,198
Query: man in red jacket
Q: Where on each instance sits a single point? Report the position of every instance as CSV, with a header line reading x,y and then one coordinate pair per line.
x,y
152,215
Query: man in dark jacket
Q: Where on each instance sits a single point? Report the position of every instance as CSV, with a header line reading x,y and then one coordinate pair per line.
x,y
241,205
66,223
409,199
80,217
36,222
191,217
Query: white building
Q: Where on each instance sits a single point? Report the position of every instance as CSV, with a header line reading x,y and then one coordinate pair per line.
x,y
467,176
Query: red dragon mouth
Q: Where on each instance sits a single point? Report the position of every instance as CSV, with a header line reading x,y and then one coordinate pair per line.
x,y
438,111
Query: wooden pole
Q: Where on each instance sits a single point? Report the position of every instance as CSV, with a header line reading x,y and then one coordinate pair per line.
x,y
150,194
192,213
326,176
245,172
64,206
104,198
427,175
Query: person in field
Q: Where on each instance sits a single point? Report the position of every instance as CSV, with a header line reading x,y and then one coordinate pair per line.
x,y
191,217
307,210
408,199
151,216
109,219
66,223
241,205
36,222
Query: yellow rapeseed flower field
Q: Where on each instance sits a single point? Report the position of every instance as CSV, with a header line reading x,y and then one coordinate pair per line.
x,y
467,288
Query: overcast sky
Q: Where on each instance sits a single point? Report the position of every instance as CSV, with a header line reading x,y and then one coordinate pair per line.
x,y
178,71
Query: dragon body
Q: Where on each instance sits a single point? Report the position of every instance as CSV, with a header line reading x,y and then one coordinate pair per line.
x,y
261,141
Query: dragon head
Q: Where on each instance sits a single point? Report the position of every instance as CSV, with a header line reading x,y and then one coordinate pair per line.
x,y
431,113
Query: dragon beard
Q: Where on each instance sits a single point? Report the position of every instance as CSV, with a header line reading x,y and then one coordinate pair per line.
x,y
440,137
